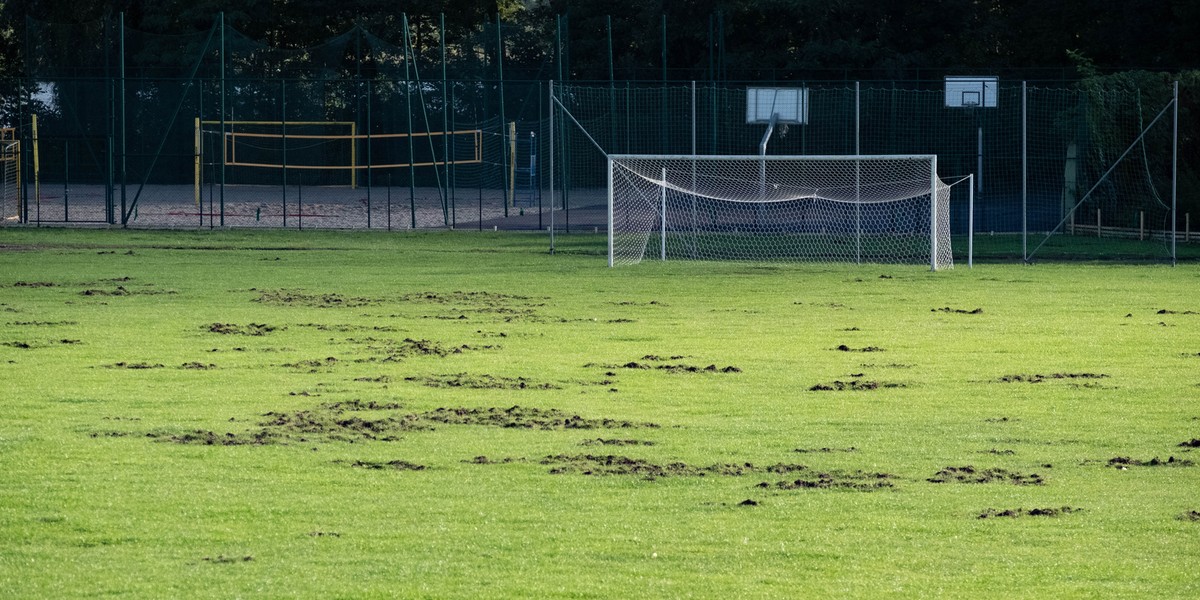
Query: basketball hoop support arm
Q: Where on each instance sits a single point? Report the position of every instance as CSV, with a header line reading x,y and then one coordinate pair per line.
x,y
762,151
762,146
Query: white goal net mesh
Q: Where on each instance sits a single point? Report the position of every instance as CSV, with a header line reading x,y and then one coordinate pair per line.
x,y
871,209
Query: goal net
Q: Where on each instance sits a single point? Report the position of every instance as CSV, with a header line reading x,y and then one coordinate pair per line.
x,y
869,209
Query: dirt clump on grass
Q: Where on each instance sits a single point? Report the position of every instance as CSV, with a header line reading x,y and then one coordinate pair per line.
x,y
862,481
845,348
250,329
23,345
34,284
482,382
484,460
958,311
358,421
200,437
285,297
824,450
226,560
1039,378
525,418
1192,443
991,513
1166,311
197,366
654,361
389,350
854,385
133,365
313,365
970,474
614,442
1191,515
612,464
392,465
1124,462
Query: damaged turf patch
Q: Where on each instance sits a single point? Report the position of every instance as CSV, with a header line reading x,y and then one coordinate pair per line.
x,y
391,465
845,348
970,474
611,464
525,418
654,361
197,366
991,513
313,365
614,442
286,297
1124,462
251,329
858,480
387,350
357,421
23,345
133,365
958,311
482,382
855,385
1039,378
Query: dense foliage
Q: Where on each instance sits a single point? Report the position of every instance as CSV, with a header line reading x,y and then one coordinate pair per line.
x,y
732,39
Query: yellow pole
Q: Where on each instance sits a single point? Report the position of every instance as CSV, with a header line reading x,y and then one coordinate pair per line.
x,y
196,179
37,177
17,157
512,161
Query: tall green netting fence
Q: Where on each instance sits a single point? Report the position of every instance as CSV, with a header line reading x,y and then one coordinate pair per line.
x,y
1058,173
215,129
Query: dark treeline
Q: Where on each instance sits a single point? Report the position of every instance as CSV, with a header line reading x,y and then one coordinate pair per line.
x,y
704,39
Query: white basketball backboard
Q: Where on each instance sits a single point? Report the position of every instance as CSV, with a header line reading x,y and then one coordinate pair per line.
x,y
971,92
789,105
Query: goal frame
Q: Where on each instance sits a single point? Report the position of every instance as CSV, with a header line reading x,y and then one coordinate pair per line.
x,y
934,182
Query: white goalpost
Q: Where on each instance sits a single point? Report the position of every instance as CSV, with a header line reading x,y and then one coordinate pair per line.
x,y
854,208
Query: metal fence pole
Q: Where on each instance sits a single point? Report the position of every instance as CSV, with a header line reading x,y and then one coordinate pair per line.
x,y
1024,173
1175,177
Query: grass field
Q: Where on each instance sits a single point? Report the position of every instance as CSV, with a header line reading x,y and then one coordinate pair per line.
x,y
281,414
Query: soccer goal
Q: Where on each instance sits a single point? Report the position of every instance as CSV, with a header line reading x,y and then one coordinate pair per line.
x,y
866,209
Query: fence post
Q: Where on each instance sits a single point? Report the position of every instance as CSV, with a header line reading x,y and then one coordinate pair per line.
x,y
1024,172
504,158
1141,225
1098,223
1175,175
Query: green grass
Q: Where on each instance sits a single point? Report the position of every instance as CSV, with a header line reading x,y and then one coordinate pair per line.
x,y
99,498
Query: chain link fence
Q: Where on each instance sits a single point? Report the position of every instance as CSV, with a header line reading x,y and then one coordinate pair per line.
x,y
212,129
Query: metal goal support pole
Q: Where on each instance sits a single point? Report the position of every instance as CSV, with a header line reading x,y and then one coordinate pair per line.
x,y
663,231
971,221
933,213
610,205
